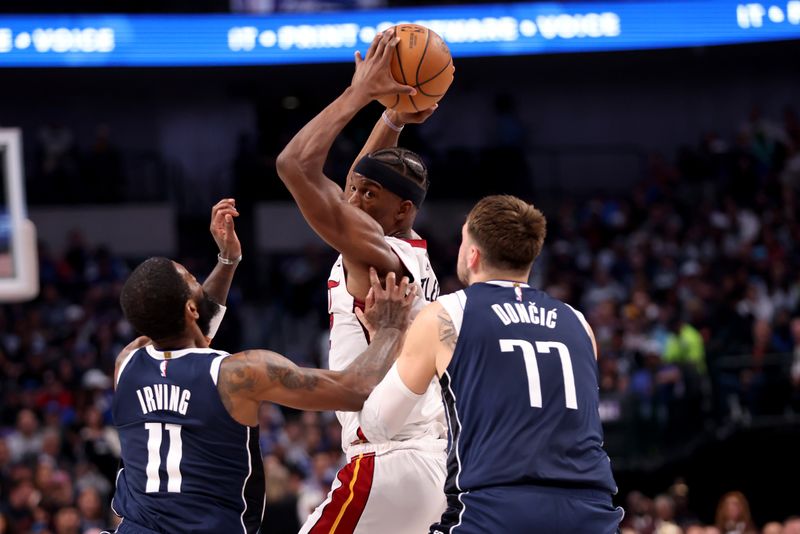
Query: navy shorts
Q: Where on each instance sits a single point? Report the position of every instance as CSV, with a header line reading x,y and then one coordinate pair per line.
x,y
530,509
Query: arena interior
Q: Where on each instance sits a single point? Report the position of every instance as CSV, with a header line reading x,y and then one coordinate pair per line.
x,y
669,174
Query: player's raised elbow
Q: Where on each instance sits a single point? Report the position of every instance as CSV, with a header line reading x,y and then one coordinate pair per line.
x,y
287,165
296,163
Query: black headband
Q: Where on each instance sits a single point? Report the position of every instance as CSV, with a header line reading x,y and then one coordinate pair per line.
x,y
390,179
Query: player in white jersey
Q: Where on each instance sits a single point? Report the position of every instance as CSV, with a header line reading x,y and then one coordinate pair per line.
x,y
396,486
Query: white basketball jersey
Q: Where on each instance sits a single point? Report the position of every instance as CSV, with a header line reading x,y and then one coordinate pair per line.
x,y
348,339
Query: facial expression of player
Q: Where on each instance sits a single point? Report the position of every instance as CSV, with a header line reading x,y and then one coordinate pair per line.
x,y
206,307
379,203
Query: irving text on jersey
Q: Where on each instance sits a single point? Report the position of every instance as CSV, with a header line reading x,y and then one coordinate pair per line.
x,y
519,312
164,397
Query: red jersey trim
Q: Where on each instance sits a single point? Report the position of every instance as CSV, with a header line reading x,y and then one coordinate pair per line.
x,y
348,501
417,243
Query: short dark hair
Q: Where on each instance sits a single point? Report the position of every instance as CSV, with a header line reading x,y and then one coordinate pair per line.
x,y
509,231
406,162
153,298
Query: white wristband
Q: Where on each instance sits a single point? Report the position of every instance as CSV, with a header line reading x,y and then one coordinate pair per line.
x,y
213,325
228,261
390,124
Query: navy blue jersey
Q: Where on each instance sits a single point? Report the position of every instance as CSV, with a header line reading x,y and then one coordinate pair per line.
x,y
187,465
521,393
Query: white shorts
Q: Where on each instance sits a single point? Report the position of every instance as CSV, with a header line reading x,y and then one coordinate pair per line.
x,y
398,492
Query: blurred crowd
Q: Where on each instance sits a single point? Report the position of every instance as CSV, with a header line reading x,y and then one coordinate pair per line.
x,y
669,513
691,283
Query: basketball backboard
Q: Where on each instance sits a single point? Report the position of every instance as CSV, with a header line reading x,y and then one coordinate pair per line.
x,y
19,268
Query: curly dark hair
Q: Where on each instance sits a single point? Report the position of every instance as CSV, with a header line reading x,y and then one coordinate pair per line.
x,y
153,298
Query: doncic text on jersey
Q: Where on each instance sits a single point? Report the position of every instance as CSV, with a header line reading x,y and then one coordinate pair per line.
x,y
519,312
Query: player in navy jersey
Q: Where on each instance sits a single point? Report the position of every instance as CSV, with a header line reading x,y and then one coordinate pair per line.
x,y
187,414
519,382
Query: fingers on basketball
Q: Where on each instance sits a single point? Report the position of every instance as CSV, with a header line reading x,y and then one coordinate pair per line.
x,y
373,46
422,60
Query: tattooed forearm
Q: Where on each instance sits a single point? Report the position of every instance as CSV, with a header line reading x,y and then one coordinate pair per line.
x,y
447,331
243,375
373,364
291,376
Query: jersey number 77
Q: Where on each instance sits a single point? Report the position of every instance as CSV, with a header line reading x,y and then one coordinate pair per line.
x,y
532,368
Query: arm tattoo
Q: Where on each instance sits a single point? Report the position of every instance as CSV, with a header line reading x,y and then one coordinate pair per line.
x,y
447,331
291,377
235,376
242,375
372,365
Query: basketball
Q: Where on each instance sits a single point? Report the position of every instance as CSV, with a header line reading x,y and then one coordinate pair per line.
x,y
423,61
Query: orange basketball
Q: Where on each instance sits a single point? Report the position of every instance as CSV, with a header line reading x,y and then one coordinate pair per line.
x,y
423,61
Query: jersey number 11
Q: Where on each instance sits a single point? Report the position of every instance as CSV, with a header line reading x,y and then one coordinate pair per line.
x,y
174,454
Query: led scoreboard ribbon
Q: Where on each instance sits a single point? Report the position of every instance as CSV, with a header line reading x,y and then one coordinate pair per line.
x,y
490,30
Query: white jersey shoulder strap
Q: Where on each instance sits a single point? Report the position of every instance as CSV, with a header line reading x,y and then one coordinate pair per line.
x,y
586,327
454,304
215,363
123,365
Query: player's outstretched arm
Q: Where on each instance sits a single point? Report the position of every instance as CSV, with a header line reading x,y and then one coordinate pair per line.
x,y
300,165
218,283
261,375
390,403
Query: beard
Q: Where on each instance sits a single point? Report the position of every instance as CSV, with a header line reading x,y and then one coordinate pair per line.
x,y
463,273
207,309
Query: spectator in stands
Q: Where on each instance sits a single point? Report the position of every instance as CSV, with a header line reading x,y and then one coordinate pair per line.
x,y
92,509
685,372
638,514
664,510
733,514
100,443
68,521
26,440
791,525
679,491
685,347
